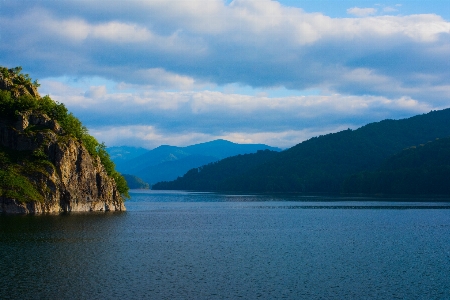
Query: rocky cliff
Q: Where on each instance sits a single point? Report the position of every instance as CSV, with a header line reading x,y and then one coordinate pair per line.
x,y
45,169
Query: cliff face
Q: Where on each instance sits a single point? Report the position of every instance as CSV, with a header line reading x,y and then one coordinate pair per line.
x,y
42,167
73,181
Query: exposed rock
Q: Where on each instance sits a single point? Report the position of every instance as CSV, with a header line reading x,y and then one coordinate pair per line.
x,y
15,83
74,181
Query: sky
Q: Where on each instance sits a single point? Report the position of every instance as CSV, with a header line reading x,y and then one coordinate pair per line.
x,y
166,72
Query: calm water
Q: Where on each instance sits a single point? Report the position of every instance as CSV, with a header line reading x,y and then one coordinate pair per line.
x,y
207,246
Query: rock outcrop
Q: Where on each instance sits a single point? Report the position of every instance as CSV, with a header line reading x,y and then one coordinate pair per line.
x,y
58,169
74,181
17,85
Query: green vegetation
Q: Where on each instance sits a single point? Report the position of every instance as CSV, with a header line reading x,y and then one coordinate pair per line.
x,y
100,151
135,182
18,83
18,94
422,170
217,175
18,187
321,164
13,166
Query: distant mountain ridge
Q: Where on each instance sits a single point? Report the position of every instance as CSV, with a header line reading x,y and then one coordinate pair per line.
x,y
168,162
124,153
320,164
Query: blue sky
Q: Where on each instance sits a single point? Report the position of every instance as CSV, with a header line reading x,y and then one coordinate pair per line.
x,y
146,73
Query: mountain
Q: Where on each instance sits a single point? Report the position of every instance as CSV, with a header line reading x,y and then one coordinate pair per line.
x,y
421,170
124,153
223,148
321,164
150,158
170,170
48,161
135,182
215,175
169,162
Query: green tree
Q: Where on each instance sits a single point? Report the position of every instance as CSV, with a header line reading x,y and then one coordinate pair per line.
x,y
16,100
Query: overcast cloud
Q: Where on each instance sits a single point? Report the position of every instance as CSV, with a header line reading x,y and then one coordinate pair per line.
x,y
145,73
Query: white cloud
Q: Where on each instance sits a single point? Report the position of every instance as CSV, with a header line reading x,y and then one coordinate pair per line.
x,y
74,29
197,103
77,29
207,102
120,32
96,92
149,137
243,21
145,136
165,65
159,78
151,117
50,28
283,139
389,9
362,12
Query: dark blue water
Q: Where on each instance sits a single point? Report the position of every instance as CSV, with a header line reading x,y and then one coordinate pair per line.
x,y
207,246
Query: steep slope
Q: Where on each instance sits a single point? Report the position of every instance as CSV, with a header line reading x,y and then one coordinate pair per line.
x,y
321,164
48,162
135,182
421,170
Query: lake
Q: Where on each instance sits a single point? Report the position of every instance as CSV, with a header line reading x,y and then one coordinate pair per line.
x,y
179,245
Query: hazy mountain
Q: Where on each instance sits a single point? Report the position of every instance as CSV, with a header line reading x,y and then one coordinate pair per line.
x,y
223,148
124,153
170,170
168,162
135,182
321,164
151,158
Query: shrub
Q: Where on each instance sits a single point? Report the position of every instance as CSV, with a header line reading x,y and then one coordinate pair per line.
x,y
15,186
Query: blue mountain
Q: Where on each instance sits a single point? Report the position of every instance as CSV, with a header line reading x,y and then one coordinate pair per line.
x,y
166,162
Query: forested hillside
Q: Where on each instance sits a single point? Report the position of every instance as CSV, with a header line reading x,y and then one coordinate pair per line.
x,y
421,170
321,164
215,176
135,182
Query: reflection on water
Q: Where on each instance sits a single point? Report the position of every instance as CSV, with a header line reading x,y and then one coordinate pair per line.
x,y
203,246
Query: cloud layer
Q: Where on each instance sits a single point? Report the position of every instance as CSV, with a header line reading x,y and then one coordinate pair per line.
x,y
150,118
167,67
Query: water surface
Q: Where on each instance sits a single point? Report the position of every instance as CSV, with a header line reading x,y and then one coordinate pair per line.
x,y
179,245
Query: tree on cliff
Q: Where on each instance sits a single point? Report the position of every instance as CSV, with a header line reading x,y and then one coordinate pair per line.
x,y
19,100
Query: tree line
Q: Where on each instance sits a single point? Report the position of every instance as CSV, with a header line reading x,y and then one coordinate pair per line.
x,y
324,164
